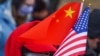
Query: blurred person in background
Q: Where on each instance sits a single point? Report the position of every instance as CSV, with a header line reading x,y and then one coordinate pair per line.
x,y
93,48
21,9
40,11
5,24
52,5
14,48
4,4
11,17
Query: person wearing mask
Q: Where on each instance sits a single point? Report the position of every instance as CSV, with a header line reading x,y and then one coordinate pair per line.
x,y
93,48
11,17
14,48
21,9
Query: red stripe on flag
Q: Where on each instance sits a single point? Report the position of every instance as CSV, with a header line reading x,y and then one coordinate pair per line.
x,y
69,37
72,48
74,40
75,54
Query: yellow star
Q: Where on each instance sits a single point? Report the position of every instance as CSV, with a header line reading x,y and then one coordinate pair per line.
x,y
57,20
69,12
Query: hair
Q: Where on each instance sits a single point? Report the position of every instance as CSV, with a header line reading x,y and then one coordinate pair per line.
x,y
94,24
17,3
39,6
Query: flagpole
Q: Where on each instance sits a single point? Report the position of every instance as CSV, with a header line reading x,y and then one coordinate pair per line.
x,y
82,3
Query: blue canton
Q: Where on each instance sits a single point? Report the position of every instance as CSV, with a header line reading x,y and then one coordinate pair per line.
x,y
82,23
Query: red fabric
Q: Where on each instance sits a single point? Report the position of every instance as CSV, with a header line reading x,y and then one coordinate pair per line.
x,y
54,28
40,48
13,47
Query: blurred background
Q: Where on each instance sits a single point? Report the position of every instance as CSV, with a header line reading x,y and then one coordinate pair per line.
x,y
13,13
95,3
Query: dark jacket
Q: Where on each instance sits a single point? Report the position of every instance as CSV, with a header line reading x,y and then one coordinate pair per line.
x,y
90,52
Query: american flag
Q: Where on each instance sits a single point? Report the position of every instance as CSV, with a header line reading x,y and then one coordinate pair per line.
x,y
75,43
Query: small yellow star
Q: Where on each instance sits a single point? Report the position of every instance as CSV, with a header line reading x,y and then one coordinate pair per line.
x,y
57,20
69,12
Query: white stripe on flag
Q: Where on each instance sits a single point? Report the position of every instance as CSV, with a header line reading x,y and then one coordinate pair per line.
x,y
75,37
72,45
72,38
75,51
72,32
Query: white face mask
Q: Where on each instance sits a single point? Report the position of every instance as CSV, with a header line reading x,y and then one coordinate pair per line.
x,y
25,10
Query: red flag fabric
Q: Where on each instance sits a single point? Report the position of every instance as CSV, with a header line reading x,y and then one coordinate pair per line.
x,y
13,47
75,42
54,28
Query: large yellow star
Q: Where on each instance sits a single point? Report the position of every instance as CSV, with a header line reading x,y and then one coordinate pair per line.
x,y
69,12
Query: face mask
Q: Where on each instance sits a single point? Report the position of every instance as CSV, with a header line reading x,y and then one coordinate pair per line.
x,y
25,10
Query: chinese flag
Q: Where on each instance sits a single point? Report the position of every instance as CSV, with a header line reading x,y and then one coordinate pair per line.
x,y
54,28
